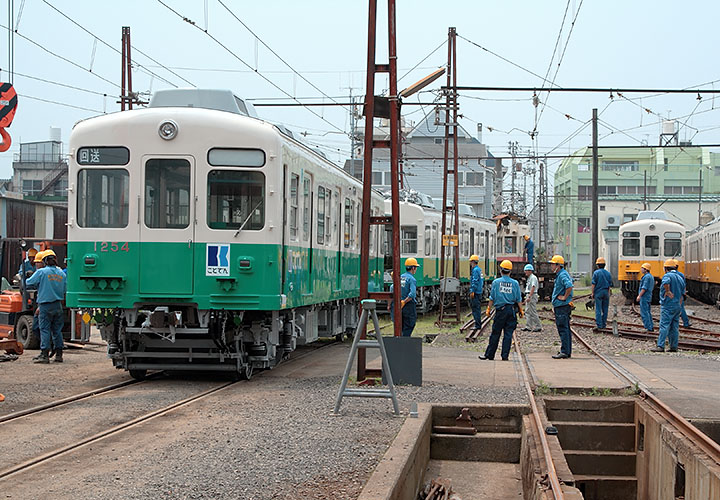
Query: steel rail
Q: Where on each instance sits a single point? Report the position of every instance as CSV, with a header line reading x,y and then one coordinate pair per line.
x,y
69,399
688,429
688,329
134,422
555,485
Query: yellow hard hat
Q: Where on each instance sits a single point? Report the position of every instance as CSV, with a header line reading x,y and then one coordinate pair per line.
x,y
600,260
677,264
506,264
49,253
411,262
39,256
526,237
646,266
558,259
475,258
32,252
670,263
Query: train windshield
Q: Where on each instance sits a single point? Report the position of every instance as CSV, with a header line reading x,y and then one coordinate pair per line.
x,y
673,244
236,200
102,199
510,245
631,244
652,246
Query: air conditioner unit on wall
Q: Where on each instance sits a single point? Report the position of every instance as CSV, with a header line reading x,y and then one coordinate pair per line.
x,y
613,220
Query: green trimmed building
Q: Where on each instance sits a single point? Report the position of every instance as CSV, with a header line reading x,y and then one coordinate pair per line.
x,y
683,181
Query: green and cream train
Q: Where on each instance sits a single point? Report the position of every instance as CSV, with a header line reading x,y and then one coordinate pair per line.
x,y
203,238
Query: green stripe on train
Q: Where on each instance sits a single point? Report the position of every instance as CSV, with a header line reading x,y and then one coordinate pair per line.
x,y
107,274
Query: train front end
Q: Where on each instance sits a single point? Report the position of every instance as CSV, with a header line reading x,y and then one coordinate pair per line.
x,y
174,240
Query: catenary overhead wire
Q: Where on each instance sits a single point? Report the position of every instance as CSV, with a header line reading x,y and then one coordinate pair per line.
x,y
275,53
62,57
119,52
24,96
61,84
227,49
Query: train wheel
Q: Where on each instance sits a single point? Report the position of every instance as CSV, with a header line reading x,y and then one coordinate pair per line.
x,y
25,334
138,374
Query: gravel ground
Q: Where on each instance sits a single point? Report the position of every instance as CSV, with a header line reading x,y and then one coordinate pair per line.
x,y
271,438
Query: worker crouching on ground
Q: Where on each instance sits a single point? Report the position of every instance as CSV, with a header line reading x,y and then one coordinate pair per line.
x,y
647,283
601,291
561,297
408,293
476,288
504,296
51,293
672,287
531,299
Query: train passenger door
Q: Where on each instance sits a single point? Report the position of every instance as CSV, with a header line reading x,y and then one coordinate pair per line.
x,y
167,229
337,223
308,233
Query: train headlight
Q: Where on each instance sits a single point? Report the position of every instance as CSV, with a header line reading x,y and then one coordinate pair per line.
x,y
168,130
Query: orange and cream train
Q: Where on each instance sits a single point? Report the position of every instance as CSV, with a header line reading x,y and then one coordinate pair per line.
x,y
703,262
652,238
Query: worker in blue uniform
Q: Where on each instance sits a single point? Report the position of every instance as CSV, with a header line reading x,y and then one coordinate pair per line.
x,y
51,293
28,265
476,291
408,295
505,297
529,249
561,298
647,283
601,290
683,313
671,290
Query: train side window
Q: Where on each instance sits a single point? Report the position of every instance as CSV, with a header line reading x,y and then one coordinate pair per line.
x,y
328,216
428,246
294,185
306,209
673,244
652,246
321,215
236,200
358,223
167,193
435,240
102,199
348,222
510,245
408,243
631,244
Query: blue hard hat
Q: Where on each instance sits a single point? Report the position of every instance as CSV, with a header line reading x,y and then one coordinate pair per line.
x,y
528,267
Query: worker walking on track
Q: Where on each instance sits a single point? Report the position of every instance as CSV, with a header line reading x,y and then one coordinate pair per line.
x,y
476,290
601,291
529,249
531,299
561,297
51,293
647,283
671,290
504,296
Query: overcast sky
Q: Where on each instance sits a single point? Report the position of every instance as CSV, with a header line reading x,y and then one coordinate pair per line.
x,y
645,44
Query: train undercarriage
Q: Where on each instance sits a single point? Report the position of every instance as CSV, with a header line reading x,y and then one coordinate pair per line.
x,y
181,337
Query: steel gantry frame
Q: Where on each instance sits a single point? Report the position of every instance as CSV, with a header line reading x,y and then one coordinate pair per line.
x,y
371,110
451,240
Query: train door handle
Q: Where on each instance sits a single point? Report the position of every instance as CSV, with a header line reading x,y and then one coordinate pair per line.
x,y
189,243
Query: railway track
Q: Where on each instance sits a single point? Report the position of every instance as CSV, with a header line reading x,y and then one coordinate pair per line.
x,y
116,429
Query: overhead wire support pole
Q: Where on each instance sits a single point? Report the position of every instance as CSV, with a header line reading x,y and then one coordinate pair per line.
x,y
451,240
370,144
594,192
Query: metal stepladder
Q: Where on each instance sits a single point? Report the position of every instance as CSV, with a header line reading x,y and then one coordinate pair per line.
x,y
368,308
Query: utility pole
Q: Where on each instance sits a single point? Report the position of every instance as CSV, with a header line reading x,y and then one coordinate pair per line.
x,y
700,197
645,190
512,149
594,191
451,235
543,209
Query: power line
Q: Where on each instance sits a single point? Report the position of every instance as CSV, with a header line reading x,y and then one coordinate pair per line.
x,y
61,57
61,84
227,49
274,53
116,50
25,96
607,90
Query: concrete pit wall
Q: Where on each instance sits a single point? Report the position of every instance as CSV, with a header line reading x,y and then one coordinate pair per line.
x,y
668,466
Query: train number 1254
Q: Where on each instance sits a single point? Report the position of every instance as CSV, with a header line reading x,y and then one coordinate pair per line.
x,y
112,246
